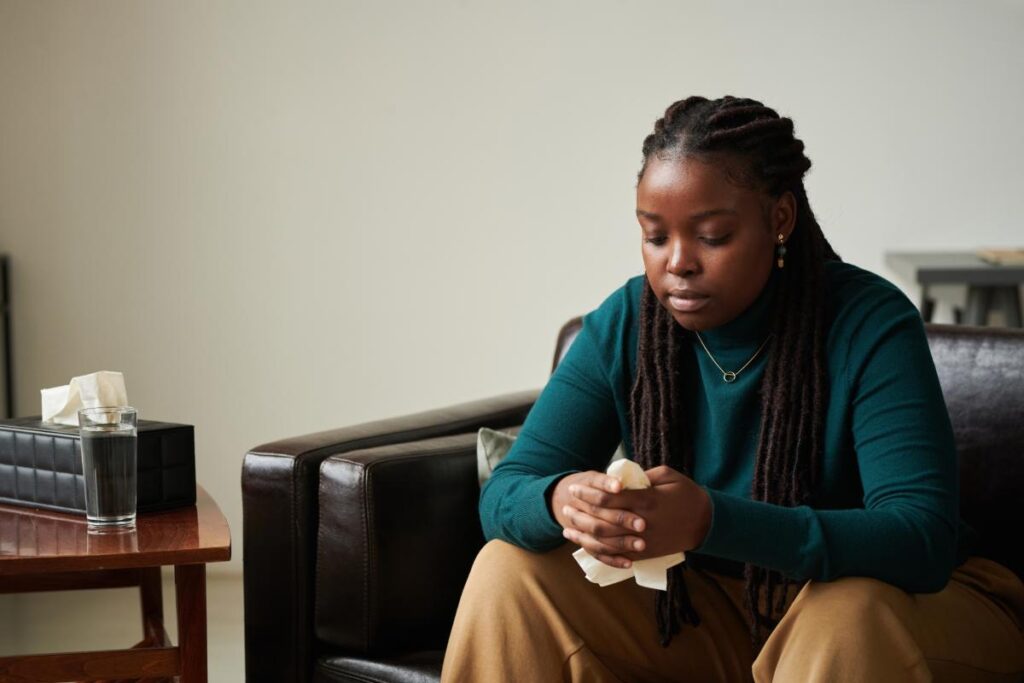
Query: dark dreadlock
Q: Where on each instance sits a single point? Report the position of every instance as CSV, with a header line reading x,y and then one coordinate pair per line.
x,y
793,392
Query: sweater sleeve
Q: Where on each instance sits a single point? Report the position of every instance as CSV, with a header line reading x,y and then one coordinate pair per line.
x,y
906,532
573,427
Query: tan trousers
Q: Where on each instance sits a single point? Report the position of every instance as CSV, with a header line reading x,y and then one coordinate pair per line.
x,y
533,617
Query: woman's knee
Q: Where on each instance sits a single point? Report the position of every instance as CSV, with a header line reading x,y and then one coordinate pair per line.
x,y
852,608
853,624
502,568
854,595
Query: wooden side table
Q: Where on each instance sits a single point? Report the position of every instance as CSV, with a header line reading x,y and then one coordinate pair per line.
x,y
989,287
46,551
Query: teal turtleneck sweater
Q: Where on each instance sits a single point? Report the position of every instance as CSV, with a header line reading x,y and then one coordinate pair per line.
x,y
887,502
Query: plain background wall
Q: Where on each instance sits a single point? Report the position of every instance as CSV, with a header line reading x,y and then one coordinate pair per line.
x,y
277,218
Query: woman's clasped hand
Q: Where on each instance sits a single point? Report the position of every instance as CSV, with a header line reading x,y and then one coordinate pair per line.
x,y
618,525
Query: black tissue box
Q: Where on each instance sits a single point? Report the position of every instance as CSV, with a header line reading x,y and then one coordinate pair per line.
x,y
41,465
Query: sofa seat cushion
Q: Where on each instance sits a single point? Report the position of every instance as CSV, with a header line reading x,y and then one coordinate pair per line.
x,y
418,667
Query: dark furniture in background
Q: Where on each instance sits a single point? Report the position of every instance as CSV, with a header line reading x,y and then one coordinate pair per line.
x,y
989,287
5,339
358,540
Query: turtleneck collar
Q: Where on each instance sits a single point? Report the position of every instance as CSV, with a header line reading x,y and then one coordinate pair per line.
x,y
751,326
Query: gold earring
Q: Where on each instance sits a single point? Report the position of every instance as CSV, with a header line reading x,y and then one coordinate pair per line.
x,y
780,252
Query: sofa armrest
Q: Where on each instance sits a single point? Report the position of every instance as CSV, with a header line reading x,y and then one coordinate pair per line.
x,y
399,530
279,515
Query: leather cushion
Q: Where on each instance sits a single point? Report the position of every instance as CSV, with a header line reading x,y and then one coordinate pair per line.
x,y
398,533
981,371
417,667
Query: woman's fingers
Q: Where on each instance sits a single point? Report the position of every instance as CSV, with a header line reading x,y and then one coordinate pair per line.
x,y
608,553
603,482
624,520
609,535
614,560
633,501
630,499
663,474
596,496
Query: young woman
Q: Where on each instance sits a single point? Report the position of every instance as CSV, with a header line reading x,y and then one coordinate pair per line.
x,y
786,409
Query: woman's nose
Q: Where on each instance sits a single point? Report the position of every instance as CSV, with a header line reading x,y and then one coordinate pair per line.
x,y
682,259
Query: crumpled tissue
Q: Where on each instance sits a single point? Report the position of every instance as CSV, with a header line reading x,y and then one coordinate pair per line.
x,y
649,573
98,389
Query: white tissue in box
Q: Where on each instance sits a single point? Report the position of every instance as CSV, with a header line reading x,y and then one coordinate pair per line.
x,y
99,389
650,573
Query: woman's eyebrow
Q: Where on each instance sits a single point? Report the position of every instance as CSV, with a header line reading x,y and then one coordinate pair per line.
x,y
699,216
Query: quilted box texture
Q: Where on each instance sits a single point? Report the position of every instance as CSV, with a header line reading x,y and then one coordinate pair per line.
x,y
41,465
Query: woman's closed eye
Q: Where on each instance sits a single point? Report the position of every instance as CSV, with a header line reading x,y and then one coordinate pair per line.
x,y
659,240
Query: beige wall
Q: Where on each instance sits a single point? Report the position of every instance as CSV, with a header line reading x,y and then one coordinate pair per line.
x,y
284,217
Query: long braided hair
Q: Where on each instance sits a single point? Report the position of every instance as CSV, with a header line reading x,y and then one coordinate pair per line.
x,y
794,388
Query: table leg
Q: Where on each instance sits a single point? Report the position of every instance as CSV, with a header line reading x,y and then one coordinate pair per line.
x,y
1009,303
152,600
979,301
190,592
927,304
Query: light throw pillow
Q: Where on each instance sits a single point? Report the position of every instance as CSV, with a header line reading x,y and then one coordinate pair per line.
x,y
492,446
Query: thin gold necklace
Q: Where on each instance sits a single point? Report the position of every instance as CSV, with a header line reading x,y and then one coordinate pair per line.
x,y
728,375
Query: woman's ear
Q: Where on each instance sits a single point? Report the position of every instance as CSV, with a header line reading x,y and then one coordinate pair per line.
x,y
783,215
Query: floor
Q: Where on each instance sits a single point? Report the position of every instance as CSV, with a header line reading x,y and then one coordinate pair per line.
x,y
69,621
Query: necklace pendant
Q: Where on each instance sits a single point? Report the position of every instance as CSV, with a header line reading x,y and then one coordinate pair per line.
x,y
729,376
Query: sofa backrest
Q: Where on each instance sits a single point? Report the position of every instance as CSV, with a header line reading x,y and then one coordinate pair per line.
x,y
566,336
981,370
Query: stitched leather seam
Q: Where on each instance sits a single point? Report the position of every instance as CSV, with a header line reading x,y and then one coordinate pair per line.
x,y
354,675
436,430
429,451
369,560
294,562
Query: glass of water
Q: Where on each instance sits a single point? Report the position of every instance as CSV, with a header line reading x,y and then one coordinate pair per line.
x,y
108,462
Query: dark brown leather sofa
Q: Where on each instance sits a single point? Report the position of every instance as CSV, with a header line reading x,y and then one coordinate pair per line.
x,y
334,521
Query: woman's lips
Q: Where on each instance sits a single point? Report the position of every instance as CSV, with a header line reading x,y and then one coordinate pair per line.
x,y
687,303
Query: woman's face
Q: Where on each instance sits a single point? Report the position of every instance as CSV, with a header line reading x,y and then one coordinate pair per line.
x,y
708,244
